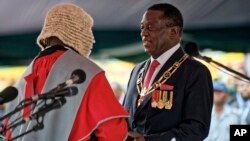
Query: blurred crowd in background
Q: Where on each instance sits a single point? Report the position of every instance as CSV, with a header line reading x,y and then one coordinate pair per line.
x,y
231,106
231,94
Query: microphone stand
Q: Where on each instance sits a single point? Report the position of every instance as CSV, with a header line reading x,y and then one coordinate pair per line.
x,y
35,128
19,107
26,102
38,126
210,60
56,103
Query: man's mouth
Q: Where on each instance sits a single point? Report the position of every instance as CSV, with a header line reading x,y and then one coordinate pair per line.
x,y
146,43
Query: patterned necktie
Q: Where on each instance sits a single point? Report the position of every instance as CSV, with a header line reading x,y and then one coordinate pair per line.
x,y
147,79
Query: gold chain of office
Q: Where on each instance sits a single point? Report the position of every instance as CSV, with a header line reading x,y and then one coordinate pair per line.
x,y
167,74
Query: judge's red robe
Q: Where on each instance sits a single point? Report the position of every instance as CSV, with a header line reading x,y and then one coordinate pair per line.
x,y
98,111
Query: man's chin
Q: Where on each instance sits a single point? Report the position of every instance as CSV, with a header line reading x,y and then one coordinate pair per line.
x,y
146,50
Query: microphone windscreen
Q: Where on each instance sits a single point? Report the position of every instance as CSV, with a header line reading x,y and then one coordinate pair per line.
x,y
191,48
8,94
78,76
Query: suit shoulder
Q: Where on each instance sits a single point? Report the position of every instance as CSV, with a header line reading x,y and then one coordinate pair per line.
x,y
192,63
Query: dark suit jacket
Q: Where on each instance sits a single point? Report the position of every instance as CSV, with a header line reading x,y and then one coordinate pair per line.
x,y
189,117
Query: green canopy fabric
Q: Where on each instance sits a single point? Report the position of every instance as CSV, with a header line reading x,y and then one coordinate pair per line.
x,y
19,49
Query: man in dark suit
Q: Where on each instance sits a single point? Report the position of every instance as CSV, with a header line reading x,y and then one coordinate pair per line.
x,y
175,104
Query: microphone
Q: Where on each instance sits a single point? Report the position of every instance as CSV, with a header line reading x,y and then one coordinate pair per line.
x,y
69,91
78,76
192,49
8,94
56,104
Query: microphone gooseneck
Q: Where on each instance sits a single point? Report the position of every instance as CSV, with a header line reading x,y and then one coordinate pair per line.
x,y
68,91
191,48
62,90
56,104
78,76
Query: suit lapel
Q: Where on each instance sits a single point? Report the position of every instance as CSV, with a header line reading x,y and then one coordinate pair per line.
x,y
175,57
136,95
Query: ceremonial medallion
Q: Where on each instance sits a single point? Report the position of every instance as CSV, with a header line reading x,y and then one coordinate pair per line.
x,y
168,105
155,98
160,104
143,92
162,93
154,104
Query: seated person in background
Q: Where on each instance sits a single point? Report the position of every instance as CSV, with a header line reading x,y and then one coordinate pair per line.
x,y
241,101
222,115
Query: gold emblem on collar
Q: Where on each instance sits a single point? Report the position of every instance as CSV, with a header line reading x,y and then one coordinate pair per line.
x,y
167,74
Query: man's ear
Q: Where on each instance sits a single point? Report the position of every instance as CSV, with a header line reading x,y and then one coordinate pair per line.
x,y
175,31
